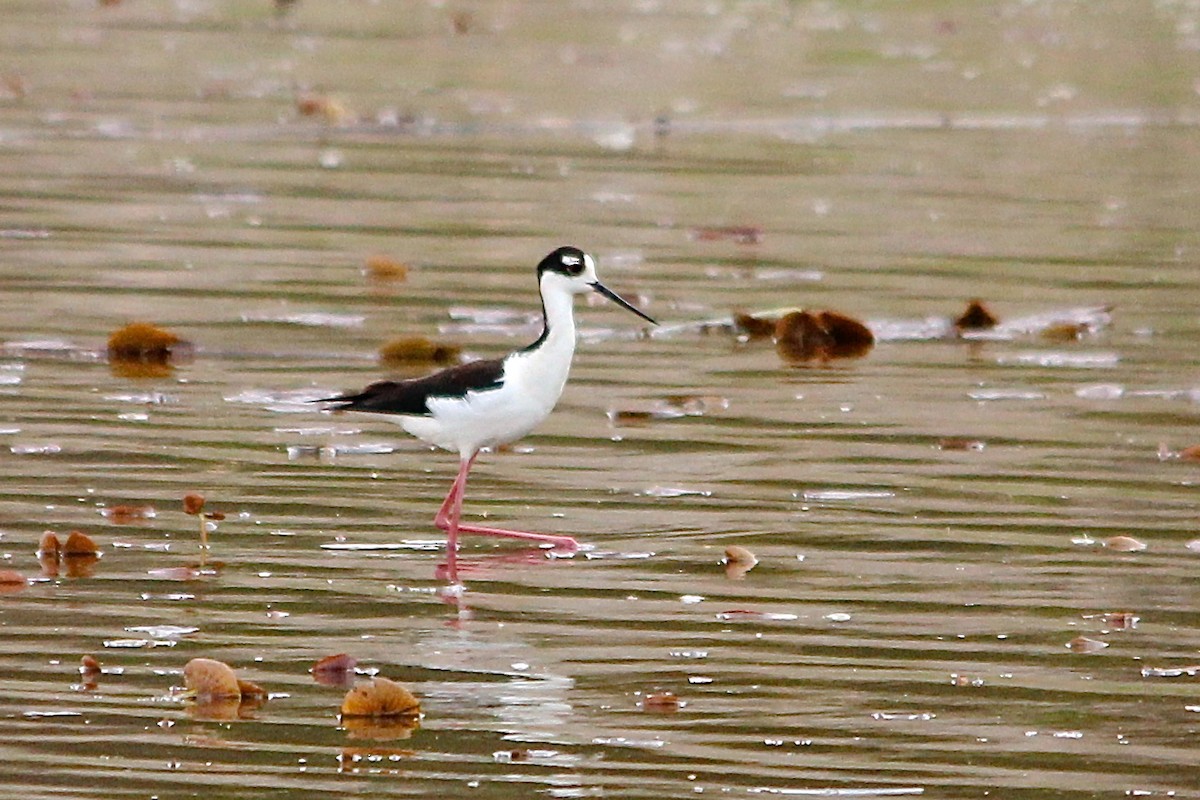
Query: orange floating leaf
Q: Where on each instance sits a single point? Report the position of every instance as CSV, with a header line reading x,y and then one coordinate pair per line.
x,y
1121,620
125,514
662,702
380,697
143,342
408,350
193,503
79,544
1190,453
11,581
742,234
328,108
1082,644
738,561
88,665
250,690
49,547
382,268
960,443
977,317
210,679
334,668
1065,331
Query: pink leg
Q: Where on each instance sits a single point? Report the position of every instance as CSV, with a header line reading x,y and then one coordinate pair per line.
x,y
448,516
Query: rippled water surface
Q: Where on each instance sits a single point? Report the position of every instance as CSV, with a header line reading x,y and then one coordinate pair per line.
x,y
952,599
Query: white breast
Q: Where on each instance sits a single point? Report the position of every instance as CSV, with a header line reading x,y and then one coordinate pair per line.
x,y
533,382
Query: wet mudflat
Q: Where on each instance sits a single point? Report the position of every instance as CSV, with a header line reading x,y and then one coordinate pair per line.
x,y
975,548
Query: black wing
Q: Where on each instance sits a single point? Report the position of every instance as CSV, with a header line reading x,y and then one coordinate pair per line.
x,y
411,396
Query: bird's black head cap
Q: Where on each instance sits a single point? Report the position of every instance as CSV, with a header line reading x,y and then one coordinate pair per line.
x,y
569,261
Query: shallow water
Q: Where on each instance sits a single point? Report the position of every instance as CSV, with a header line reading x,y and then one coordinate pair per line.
x,y
933,521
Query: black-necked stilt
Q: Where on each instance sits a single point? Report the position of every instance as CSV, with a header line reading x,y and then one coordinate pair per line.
x,y
488,403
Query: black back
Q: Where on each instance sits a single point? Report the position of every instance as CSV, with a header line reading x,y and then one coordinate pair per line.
x,y
412,396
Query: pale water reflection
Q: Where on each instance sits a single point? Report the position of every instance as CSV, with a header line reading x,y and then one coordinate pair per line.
x,y
940,526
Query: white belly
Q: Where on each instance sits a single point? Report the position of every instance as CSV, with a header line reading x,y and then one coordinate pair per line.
x,y
532,384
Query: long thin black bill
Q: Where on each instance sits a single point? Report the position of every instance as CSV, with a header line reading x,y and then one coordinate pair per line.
x,y
621,301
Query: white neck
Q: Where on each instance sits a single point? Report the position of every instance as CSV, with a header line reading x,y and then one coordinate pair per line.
x,y
559,307
541,370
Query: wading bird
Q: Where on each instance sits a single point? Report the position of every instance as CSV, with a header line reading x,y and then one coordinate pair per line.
x,y
481,404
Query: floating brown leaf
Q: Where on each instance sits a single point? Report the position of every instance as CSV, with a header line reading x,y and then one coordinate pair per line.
x,y
1124,544
250,690
143,342
208,678
382,268
88,665
738,561
49,546
960,443
79,544
1082,644
334,667
742,234
629,416
408,350
799,337
661,702
80,566
311,104
977,317
802,336
736,554
753,327
125,514
380,697
1121,620
11,581
1190,453
461,22
1065,331
193,503
851,338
